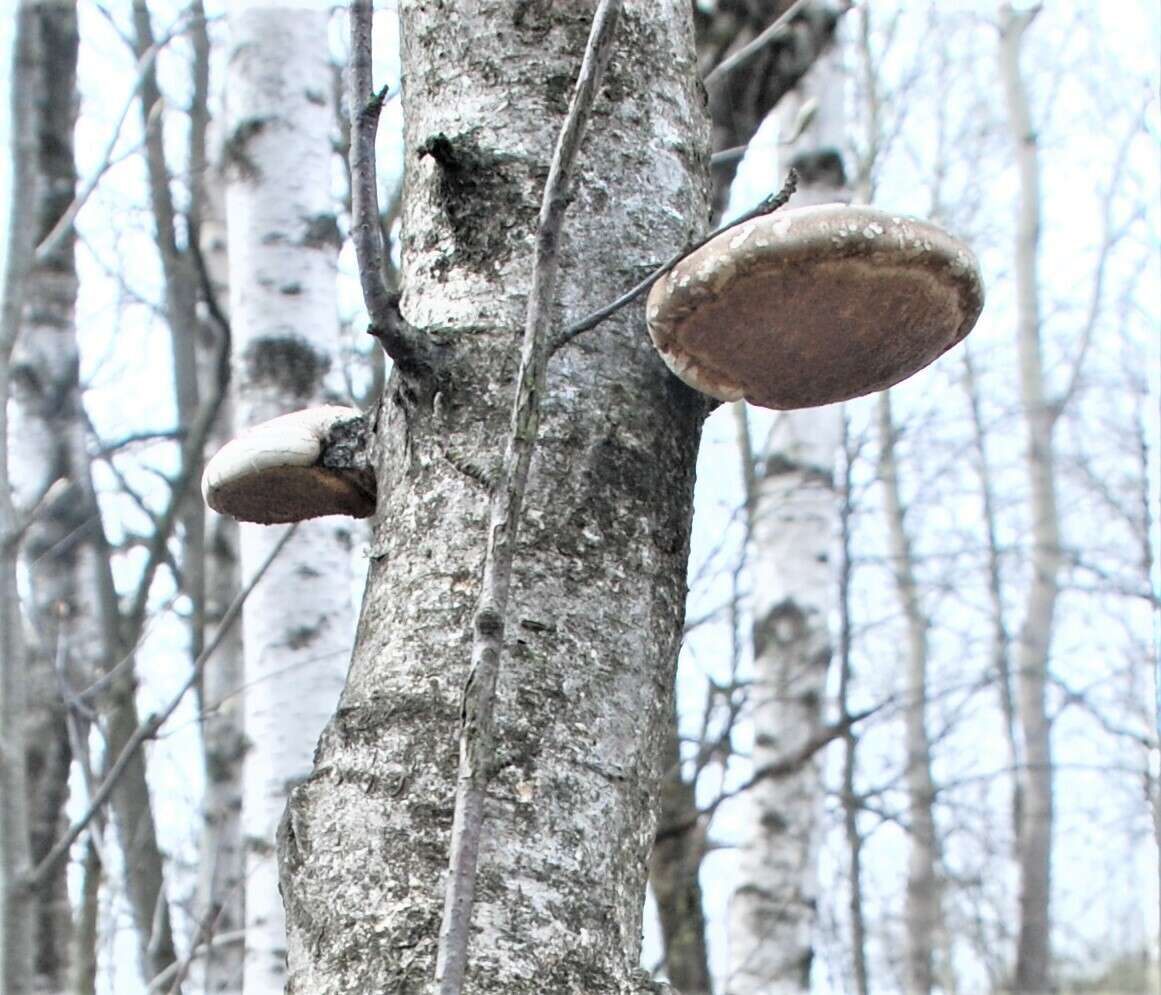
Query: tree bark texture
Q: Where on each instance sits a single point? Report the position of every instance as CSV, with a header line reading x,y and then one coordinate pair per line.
x,y
772,913
794,513
1034,641
43,432
597,601
921,914
222,874
17,908
282,245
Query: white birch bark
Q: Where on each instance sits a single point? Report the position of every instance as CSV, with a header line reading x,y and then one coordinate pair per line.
x,y
221,868
282,257
597,597
795,510
738,104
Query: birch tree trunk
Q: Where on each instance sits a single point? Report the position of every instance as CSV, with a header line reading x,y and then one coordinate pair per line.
x,y
739,102
597,598
795,510
921,915
773,911
42,430
283,242
849,797
1035,637
741,99
222,871
16,900
75,601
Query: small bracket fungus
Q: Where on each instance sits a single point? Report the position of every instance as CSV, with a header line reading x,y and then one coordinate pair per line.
x,y
814,305
298,466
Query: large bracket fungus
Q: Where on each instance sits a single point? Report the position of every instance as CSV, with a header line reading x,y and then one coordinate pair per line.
x,y
297,466
814,305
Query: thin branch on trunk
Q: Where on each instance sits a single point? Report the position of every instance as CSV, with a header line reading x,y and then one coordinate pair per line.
x,y
411,351
148,729
504,518
767,206
51,242
747,52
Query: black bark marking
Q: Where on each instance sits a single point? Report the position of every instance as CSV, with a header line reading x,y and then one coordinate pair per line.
x,y
236,161
286,361
483,201
322,232
782,625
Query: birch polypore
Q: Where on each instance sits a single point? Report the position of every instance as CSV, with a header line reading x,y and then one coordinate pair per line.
x,y
277,472
813,306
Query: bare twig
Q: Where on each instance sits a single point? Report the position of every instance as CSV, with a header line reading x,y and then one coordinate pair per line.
x,y
1110,239
504,519
747,52
411,351
191,453
773,771
148,729
766,206
51,242
179,968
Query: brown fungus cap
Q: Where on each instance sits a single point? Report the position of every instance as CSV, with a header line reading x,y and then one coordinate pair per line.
x,y
274,472
815,305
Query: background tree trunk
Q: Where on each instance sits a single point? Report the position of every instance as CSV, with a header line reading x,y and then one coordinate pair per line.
x,y
283,244
674,865
774,910
45,428
1034,843
739,103
222,868
598,592
17,908
921,913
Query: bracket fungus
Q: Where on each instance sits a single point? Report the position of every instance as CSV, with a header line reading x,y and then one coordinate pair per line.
x,y
297,466
814,305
